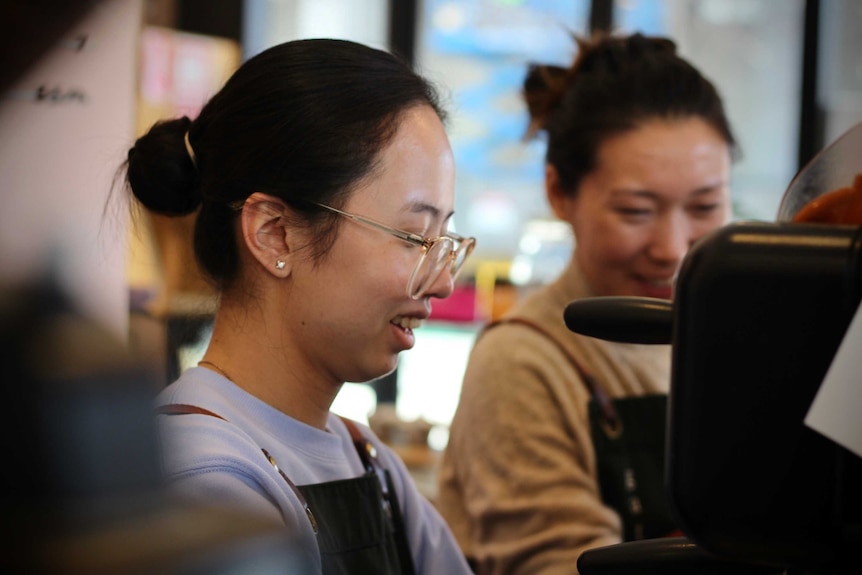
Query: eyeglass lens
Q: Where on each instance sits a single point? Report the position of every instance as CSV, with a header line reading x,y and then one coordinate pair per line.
x,y
434,261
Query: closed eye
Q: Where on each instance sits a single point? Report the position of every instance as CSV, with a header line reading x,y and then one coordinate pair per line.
x,y
634,212
705,209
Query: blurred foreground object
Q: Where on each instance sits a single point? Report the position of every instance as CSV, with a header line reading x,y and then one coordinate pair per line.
x,y
81,492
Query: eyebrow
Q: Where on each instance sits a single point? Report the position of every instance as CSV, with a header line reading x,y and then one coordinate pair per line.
x,y
649,194
423,208
708,189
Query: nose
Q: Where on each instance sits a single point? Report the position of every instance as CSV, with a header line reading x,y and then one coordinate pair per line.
x,y
442,286
672,238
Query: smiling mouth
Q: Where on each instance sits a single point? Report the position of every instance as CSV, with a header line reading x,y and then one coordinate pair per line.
x,y
407,323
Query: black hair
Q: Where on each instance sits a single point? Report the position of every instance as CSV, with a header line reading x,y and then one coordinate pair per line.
x,y
304,121
615,84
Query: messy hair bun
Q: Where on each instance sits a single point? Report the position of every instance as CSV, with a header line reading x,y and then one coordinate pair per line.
x,y
543,88
545,84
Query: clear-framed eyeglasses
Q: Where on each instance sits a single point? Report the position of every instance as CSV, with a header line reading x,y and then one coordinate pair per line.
x,y
448,251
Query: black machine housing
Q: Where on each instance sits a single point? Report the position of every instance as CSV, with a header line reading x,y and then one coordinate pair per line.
x,y
759,312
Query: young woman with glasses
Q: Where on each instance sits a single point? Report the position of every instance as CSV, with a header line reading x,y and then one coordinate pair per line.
x,y
323,180
638,164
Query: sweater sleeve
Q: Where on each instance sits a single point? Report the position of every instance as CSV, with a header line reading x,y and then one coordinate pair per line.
x,y
518,481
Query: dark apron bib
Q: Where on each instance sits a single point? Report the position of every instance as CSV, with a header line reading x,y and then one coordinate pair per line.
x,y
630,463
628,436
357,521
355,533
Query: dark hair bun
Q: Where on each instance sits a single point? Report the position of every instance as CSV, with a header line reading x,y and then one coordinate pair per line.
x,y
161,173
614,54
543,87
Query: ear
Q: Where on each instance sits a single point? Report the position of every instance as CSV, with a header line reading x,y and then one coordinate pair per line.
x,y
559,200
264,232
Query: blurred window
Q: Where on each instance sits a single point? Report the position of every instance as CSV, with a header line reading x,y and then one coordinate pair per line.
x,y
477,51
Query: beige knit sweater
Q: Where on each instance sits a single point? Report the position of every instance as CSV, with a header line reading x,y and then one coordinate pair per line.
x,y
518,479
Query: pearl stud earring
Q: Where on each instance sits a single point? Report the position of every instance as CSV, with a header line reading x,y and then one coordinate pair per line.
x,y
279,265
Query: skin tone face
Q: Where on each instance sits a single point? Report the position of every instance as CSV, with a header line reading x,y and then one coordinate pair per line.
x,y
293,334
356,316
655,191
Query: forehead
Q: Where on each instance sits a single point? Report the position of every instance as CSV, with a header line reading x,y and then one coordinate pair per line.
x,y
663,143
415,171
659,149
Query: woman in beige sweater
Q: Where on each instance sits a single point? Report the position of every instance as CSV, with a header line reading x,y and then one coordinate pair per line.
x,y
638,163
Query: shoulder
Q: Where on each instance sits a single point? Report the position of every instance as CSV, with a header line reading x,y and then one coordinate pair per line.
x,y
196,443
215,429
525,362
203,419
515,370
520,343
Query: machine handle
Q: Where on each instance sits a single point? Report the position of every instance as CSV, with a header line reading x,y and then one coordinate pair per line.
x,y
622,319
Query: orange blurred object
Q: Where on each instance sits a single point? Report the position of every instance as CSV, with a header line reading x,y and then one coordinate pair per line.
x,y
842,206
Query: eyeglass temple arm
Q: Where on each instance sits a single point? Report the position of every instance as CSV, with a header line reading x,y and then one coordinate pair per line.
x,y
408,237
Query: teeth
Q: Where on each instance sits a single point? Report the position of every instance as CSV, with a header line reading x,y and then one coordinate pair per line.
x,y
407,322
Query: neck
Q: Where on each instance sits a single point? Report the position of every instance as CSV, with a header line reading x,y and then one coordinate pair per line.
x,y
242,350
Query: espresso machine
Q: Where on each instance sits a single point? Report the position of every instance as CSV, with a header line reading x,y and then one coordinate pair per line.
x,y
759,312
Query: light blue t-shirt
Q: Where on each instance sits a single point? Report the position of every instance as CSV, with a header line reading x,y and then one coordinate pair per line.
x,y
209,460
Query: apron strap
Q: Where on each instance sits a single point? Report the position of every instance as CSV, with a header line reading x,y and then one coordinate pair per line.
x,y
183,408
368,454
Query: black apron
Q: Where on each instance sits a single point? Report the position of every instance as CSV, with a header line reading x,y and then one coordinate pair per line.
x,y
629,437
357,521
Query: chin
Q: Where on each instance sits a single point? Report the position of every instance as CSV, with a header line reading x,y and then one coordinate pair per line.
x,y
376,372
